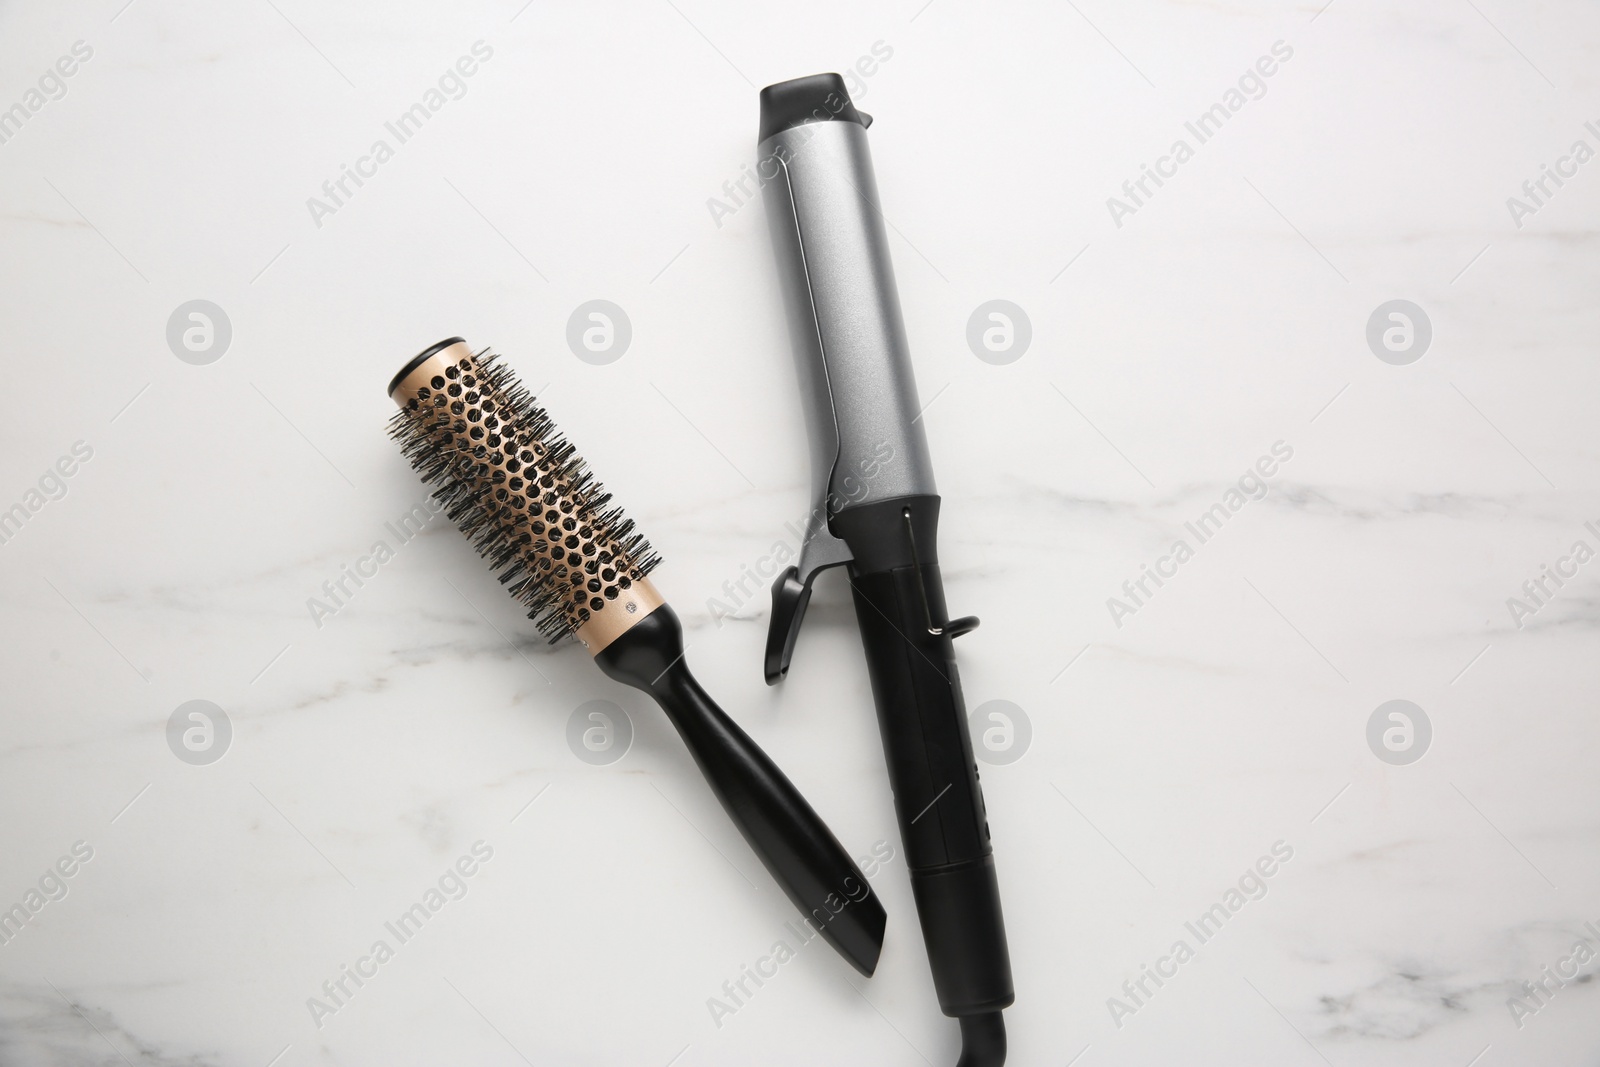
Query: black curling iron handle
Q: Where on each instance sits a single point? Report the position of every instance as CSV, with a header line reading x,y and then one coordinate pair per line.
x,y
793,842
935,781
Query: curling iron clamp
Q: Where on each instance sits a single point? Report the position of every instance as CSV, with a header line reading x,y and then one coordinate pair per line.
x,y
876,513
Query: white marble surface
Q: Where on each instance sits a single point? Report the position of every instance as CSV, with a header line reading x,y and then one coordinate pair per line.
x,y
1228,713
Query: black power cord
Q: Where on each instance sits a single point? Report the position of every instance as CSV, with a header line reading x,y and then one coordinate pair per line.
x,y
983,1040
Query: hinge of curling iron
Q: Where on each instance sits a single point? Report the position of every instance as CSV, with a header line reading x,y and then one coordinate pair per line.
x,y
955,627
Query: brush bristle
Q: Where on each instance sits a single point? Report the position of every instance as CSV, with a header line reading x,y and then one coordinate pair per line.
x,y
521,493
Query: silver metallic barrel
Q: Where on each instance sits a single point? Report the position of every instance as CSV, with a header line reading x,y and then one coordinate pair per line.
x,y
844,312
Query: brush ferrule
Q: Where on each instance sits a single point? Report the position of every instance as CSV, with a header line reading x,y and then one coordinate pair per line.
x,y
620,616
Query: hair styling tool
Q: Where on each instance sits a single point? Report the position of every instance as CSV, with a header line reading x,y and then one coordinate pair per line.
x,y
861,405
520,492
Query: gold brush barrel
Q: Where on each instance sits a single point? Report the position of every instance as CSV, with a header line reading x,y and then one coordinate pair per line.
x,y
540,518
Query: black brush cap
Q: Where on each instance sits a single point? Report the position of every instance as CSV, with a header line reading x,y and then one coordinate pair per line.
x,y
417,361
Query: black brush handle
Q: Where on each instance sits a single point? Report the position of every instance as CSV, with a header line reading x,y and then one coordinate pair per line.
x,y
790,838
907,633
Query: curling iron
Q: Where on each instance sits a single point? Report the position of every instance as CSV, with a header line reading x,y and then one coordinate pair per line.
x,y
876,513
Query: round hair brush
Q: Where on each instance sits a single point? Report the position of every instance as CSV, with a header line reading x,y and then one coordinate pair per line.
x,y
522,494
